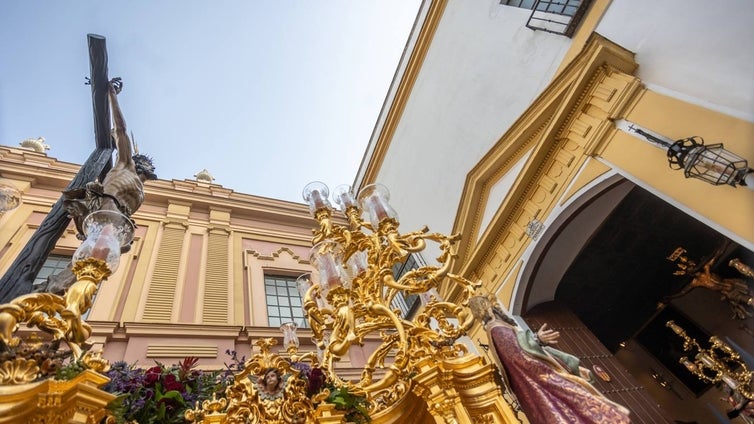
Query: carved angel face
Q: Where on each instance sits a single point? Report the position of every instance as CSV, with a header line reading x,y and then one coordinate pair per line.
x,y
271,380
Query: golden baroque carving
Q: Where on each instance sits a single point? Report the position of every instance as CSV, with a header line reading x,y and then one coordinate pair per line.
x,y
18,371
250,400
365,306
75,401
23,361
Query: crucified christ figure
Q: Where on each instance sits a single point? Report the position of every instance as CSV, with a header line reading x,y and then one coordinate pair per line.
x,y
122,189
733,290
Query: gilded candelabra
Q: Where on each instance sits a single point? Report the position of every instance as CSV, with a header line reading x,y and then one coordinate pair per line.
x,y
718,363
428,376
24,361
356,287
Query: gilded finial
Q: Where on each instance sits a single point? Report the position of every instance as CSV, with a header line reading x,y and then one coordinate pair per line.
x,y
95,362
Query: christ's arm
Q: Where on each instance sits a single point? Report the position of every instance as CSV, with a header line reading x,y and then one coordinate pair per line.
x,y
122,141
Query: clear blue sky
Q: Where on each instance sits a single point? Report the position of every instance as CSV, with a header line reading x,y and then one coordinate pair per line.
x,y
267,95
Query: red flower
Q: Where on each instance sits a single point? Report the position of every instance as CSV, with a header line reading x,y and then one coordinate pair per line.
x,y
185,366
170,383
152,375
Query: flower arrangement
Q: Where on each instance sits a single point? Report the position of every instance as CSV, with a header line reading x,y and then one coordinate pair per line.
x,y
160,394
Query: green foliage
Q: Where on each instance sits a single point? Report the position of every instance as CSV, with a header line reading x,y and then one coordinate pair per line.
x,y
70,370
354,405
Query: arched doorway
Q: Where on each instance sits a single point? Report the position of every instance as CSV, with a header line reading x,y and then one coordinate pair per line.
x,y
604,259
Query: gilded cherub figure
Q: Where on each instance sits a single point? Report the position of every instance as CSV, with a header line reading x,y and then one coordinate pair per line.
x,y
271,384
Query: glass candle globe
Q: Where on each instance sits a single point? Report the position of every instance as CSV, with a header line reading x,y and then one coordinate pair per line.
x,y
303,284
315,194
343,196
106,232
374,201
356,264
327,256
290,339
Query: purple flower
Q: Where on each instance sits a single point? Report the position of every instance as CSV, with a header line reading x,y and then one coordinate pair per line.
x,y
139,389
303,368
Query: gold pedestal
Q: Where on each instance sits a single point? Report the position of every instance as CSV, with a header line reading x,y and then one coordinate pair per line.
x,y
327,414
462,390
76,401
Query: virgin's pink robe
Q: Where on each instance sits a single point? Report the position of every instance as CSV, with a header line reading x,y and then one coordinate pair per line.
x,y
547,396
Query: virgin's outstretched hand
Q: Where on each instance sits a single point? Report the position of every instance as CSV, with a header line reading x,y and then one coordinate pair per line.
x,y
547,337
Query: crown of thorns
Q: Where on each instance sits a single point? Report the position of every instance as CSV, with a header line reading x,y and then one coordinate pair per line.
x,y
144,166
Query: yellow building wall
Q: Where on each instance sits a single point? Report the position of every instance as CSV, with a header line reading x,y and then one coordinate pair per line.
x,y
581,143
729,209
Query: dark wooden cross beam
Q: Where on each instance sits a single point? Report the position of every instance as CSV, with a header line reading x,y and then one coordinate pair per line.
x,y
19,278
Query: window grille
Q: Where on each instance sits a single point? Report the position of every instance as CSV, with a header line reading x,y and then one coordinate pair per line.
x,y
409,304
283,301
555,16
53,264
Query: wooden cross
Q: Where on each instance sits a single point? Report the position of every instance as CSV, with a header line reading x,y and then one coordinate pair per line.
x,y
20,276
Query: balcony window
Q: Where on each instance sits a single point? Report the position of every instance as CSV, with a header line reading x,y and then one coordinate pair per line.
x,y
555,16
407,305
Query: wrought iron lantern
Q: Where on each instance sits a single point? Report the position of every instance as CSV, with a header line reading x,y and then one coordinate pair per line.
x,y
710,163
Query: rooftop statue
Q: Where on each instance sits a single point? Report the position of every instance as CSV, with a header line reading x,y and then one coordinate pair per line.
x,y
204,176
36,144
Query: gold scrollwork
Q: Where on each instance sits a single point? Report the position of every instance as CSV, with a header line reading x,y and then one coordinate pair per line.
x,y
363,307
248,401
59,316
